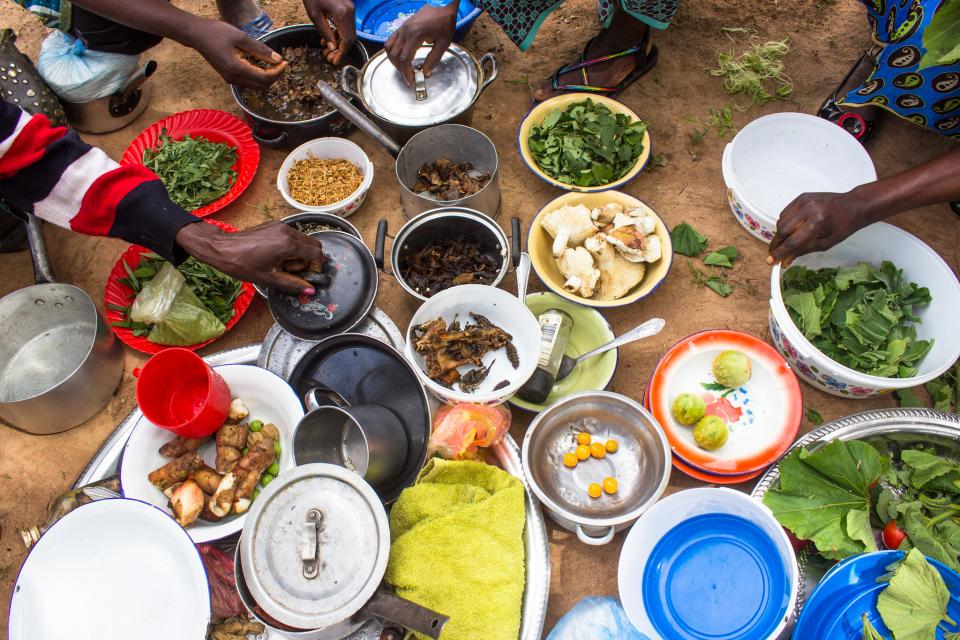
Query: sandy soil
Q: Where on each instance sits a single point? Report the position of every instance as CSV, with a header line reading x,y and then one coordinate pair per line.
x,y
825,37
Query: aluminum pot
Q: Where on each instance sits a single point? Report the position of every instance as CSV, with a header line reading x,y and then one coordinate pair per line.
x,y
447,96
641,465
445,222
117,110
286,133
312,556
59,361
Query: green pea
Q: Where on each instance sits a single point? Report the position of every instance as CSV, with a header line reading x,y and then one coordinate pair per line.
x,y
266,479
256,492
276,448
245,449
273,469
256,425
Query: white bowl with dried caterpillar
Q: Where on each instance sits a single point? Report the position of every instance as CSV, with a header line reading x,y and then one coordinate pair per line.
x,y
207,485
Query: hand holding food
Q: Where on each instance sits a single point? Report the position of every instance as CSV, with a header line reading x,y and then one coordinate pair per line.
x,y
434,25
227,48
339,38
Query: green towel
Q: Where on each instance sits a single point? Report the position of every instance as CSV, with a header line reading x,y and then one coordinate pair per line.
x,y
458,548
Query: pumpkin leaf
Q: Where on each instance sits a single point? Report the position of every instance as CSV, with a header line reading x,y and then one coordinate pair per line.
x,y
915,601
941,37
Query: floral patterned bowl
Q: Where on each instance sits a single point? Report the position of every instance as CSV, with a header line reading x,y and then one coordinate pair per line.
x,y
333,148
920,264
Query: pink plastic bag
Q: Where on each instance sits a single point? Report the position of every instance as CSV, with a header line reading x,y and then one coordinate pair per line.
x,y
460,429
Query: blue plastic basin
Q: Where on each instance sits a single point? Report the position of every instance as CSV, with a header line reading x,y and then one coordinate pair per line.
x,y
373,16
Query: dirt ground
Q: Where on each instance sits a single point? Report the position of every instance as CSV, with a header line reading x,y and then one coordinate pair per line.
x,y
685,184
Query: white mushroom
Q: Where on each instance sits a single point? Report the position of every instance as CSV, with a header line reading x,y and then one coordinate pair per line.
x,y
604,215
576,265
238,410
617,276
568,226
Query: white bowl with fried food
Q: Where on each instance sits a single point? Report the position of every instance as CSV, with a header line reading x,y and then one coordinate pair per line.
x,y
505,311
267,398
328,149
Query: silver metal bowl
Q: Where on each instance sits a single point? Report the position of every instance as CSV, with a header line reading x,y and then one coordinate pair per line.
x,y
641,465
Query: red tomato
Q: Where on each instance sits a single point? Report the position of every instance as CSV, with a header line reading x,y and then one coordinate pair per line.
x,y
892,535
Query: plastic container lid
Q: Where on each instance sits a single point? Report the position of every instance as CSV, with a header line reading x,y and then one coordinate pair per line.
x,y
716,576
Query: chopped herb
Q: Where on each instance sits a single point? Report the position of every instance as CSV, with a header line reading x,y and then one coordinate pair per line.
x,y
758,72
194,170
688,241
814,416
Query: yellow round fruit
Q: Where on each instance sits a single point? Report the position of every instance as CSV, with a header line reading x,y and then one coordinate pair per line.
x,y
612,446
597,450
610,485
570,459
583,438
594,490
583,452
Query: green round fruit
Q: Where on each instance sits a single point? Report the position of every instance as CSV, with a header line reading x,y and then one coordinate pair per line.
x,y
711,433
731,368
688,408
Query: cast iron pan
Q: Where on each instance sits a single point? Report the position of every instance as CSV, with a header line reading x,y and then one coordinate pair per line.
x,y
346,290
365,370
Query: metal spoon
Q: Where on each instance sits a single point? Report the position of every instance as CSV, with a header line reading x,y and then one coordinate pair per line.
x,y
649,328
523,275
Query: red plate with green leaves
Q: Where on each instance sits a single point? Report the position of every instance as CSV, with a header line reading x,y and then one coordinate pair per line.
x,y
118,295
763,415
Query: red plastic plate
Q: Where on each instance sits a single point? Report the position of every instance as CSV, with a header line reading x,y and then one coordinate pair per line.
x,y
216,126
120,294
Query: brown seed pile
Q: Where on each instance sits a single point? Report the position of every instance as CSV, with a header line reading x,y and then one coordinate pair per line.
x,y
317,182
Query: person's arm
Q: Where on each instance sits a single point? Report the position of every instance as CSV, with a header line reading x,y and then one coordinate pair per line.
x,y
49,172
221,44
818,221
435,23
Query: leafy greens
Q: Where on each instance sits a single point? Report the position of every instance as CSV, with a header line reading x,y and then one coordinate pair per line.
x,y
914,603
195,171
687,240
860,316
586,144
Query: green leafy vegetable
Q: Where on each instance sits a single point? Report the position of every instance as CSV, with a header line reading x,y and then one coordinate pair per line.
x,y
869,631
914,603
941,37
814,416
176,314
719,285
687,240
758,72
586,144
908,398
860,316
194,170
721,257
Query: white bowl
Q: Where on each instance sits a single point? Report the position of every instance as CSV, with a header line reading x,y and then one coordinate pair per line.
x,y
920,264
776,158
335,148
268,398
503,310
674,510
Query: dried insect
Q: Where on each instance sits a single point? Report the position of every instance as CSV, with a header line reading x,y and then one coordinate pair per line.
x,y
473,378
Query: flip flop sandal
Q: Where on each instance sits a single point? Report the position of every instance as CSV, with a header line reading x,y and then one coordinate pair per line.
x,y
851,122
955,206
259,26
645,62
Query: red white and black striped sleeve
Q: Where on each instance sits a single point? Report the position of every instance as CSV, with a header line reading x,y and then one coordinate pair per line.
x,y
51,173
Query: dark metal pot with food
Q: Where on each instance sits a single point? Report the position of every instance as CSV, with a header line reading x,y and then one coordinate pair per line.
x,y
447,96
446,247
312,556
59,361
292,111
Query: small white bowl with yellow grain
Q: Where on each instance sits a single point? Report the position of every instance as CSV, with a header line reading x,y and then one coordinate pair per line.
x,y
327,149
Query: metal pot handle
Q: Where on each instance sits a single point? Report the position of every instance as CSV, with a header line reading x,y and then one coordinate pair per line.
x,y
494,70
379,248
270,142
515,241
595,542
405,613
42,269
354,115
310,398
350,72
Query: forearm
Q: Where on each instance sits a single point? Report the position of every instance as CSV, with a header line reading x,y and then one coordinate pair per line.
x,y
158,17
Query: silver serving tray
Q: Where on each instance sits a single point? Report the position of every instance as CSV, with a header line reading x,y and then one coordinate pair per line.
x,y
891,427
105,462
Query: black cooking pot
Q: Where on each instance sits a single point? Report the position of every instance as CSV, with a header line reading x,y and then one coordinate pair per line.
x,y
284,133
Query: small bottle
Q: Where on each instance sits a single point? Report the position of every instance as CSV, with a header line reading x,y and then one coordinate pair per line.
x,y
555,327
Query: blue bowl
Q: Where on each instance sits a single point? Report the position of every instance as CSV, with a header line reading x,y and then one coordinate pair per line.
x,y
373,16
834,609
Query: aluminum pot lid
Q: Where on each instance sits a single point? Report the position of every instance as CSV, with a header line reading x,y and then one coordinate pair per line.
x,y
315,546
450,89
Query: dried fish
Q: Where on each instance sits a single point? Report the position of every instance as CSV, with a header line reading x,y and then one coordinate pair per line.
x,y
475,377
445,180
447,262
447,348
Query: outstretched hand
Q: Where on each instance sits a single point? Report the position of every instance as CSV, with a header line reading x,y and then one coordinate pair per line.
x,y
340,39
816,222
254,255
432,25
225,47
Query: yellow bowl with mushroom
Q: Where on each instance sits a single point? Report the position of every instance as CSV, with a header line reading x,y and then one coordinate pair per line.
x,y
610,265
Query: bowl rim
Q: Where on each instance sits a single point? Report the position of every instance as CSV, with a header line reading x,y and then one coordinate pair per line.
x,y
461,23
622,518
360,191
666,240
523,146
780,315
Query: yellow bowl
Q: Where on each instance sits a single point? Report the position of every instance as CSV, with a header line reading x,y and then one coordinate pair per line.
x,y
540,247
537,115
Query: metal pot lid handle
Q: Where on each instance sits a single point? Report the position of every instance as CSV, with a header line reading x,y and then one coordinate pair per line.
x,y
488,78
408,614
419,83
350,88
310,544
354,115
42,269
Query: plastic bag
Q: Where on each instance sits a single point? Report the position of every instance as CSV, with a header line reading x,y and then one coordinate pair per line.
x,y
224,599
77,74
177,315
460,429
596,618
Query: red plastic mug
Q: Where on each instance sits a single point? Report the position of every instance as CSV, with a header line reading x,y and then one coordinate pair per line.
x,y
178,391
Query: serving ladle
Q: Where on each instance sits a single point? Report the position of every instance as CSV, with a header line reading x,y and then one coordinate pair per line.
x,y
649,328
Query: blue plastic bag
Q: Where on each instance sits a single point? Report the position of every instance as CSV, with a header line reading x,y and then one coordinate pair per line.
x,y
595,618
77,74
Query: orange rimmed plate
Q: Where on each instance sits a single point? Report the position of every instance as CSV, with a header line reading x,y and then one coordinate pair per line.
x,y
763,415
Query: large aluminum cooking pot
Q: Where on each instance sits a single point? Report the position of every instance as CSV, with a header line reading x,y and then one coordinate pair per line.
x,y
59,361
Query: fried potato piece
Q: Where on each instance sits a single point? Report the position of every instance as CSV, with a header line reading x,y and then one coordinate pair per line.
x,y
175,471
187,503
180,445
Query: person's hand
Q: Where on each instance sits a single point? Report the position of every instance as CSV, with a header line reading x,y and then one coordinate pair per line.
x,y
337,41
433,25
816,222
254,255
224,47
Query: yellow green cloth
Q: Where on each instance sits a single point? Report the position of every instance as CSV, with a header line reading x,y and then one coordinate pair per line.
x,y
458,548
